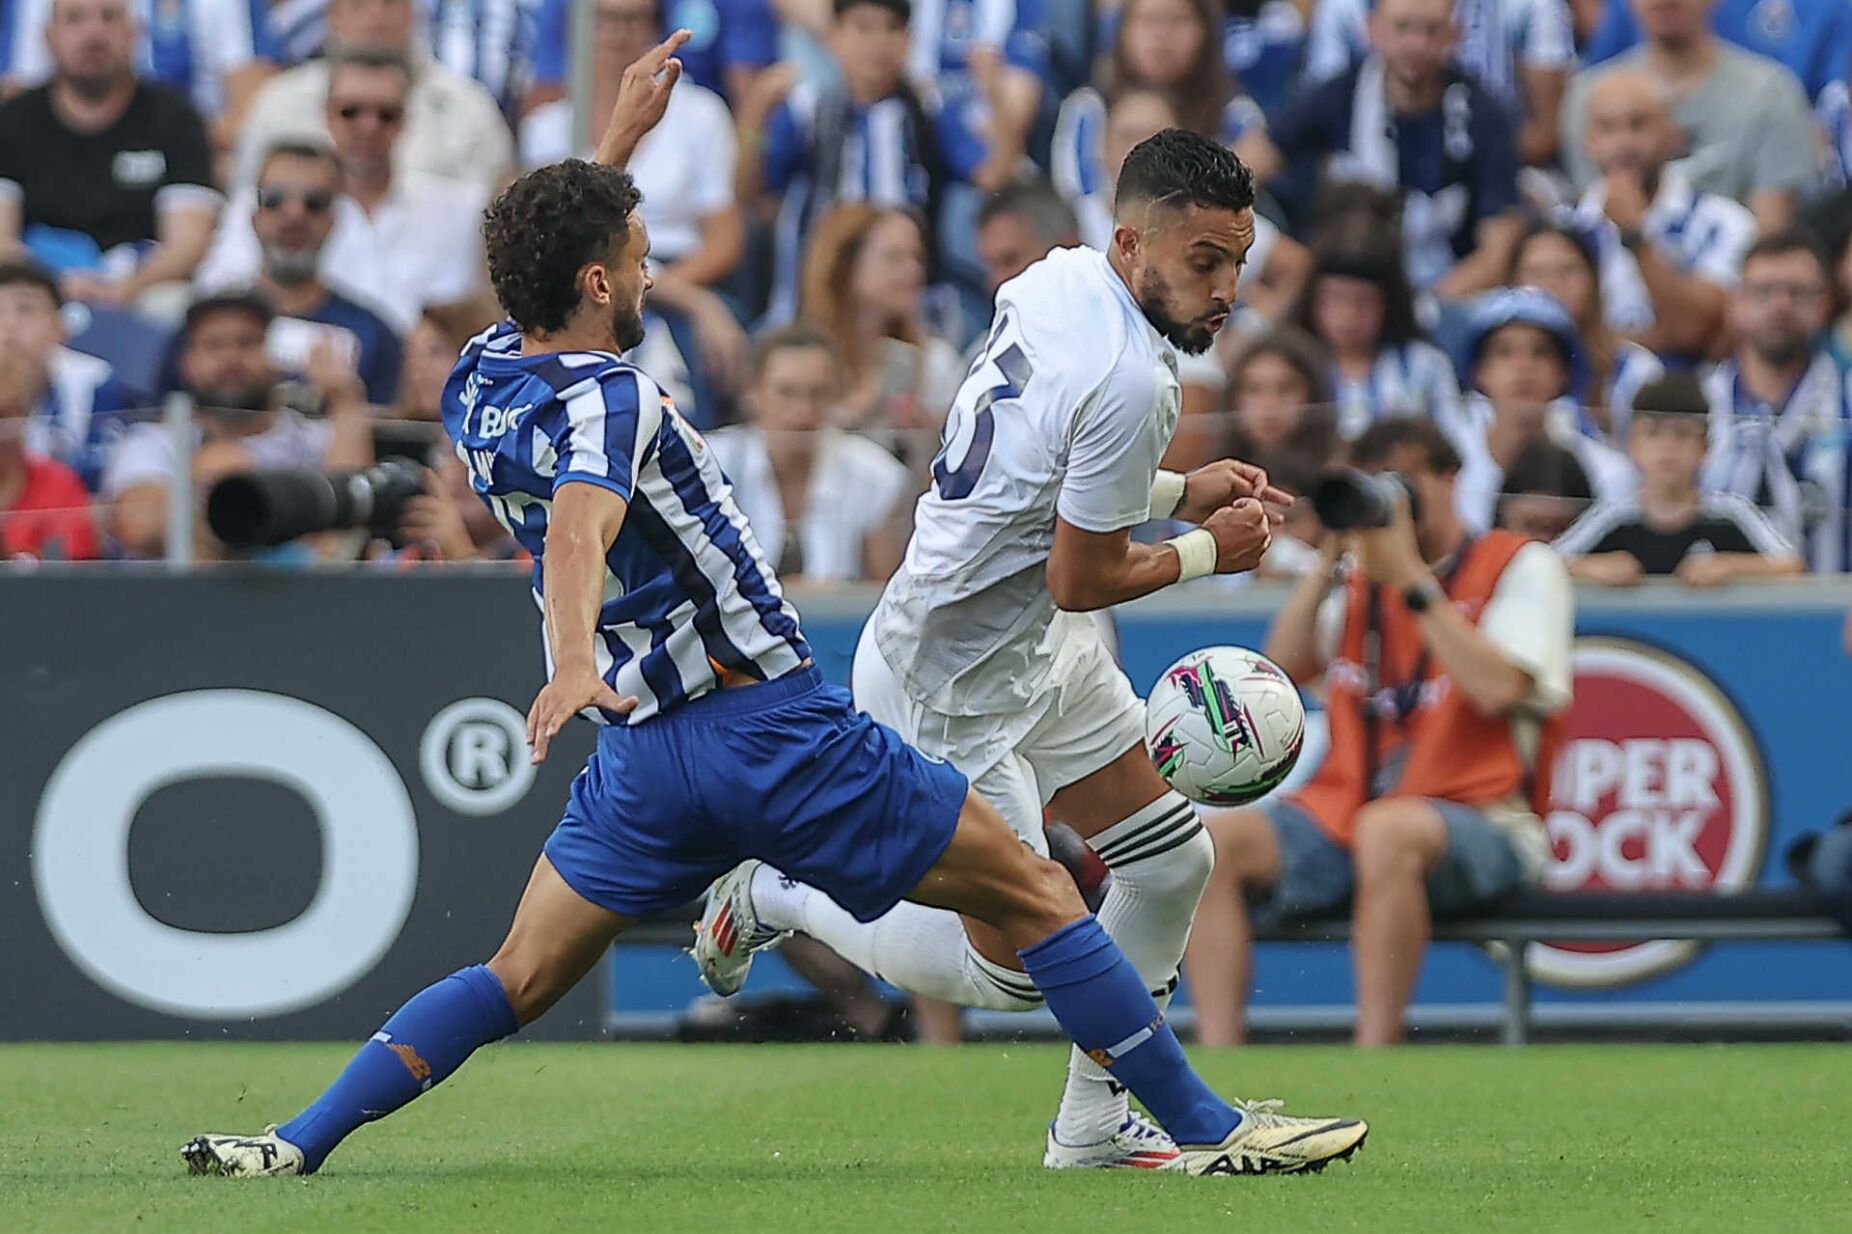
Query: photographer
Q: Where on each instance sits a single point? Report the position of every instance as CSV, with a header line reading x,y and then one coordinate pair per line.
x,y
1444,656
243,420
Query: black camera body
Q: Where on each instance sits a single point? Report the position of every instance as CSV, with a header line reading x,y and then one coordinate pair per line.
x,y
261,509
1347,499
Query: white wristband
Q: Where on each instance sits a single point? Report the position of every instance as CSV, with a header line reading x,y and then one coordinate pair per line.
x,y
1166,493
1196,554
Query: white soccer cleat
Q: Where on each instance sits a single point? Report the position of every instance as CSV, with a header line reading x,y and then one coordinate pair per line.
x,y
242,1156
729,932
1139,1144
1268,1142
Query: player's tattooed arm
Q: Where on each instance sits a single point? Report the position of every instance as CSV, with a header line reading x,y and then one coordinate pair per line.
x,y
642,96
583,523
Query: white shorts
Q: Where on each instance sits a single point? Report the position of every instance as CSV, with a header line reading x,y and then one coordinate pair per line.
x,y
1084,718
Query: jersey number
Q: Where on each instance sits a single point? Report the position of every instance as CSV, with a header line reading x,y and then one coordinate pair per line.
x,y
956,483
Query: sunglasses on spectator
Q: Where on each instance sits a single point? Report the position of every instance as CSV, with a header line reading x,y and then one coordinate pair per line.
x,y
315,201
388,113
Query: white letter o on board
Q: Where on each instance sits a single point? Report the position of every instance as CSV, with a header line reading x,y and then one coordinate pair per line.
x,y
369,854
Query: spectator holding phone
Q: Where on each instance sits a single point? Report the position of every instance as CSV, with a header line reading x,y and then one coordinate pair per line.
x,y
825,504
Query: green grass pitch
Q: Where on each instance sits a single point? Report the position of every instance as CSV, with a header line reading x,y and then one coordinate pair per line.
x,y
888,1139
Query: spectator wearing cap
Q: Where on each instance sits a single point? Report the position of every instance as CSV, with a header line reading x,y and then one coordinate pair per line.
x,y
452,126
44,508
292,213
1559,258
1749,133
1446,660
685,169
398,238
1520,50
1544,490
1669,527
213,51
1409,120
75,406
826,504
1669,252
241,421
874,136
1358,304
107,178
1525,362
1780,405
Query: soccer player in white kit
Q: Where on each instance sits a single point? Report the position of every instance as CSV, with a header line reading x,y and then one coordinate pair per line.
x,y
982,650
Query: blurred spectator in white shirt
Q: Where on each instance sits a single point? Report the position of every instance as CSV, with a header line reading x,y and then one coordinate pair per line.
x,y
453,126
825,503
864,276
401,239
74,404
684,168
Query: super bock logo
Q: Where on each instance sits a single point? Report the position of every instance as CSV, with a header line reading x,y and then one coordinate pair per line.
x,y
1658,786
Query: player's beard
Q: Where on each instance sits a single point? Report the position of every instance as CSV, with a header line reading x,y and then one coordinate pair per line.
x,y
1192,338
627,325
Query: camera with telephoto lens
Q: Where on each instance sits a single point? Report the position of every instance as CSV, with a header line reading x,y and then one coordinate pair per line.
x,y
261,509
1347,499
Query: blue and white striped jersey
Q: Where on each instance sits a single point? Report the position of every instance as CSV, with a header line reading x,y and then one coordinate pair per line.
x,y
688,594
1408,379
1793,460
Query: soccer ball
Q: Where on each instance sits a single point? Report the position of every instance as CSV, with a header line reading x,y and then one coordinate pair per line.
x,y
1224,725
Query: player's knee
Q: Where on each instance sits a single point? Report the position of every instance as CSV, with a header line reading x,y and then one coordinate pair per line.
x,y
1180,872
1397,838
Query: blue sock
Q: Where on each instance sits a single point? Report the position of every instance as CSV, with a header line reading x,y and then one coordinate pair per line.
x,y
423,1042
1097,996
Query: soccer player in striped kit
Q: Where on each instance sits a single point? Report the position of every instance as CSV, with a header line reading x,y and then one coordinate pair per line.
x,y
719,739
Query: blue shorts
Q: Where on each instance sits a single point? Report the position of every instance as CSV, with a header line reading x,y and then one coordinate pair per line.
x,y
1317,876
787,771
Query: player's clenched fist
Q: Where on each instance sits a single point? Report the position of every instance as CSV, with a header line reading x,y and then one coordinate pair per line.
x,y
1242,533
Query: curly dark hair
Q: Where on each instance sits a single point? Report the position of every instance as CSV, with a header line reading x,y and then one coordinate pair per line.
x,y
1179,168
542,228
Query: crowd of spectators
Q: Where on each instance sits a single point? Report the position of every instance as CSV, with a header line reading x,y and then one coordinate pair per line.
x,y
1602,245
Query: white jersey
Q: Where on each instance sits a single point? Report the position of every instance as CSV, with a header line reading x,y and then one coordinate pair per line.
x,y
1066,411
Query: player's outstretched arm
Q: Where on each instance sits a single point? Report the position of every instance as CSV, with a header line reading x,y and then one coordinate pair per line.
x,y
581,528
642,96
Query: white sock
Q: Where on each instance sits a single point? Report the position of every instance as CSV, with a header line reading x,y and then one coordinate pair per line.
x,y
1160,859
923,950
778,900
